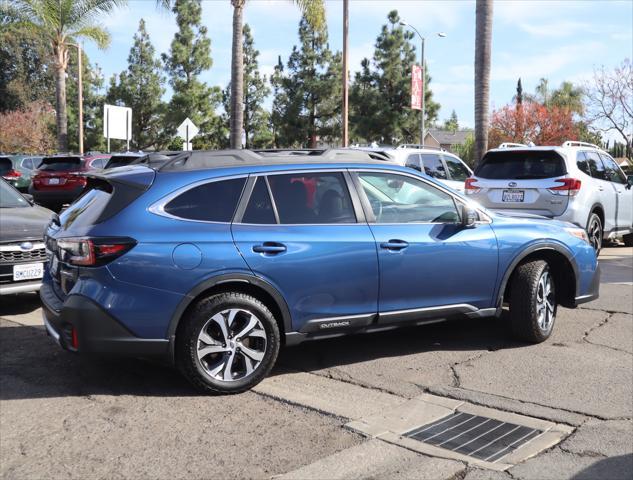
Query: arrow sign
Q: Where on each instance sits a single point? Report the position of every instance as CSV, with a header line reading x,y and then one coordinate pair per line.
x,y
187,130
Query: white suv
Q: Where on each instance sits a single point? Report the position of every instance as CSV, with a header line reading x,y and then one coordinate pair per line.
x,y
576,182
439,164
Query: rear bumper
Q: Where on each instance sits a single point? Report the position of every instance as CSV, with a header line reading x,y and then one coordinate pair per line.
x,y
55,196
97,332
20,287
594,289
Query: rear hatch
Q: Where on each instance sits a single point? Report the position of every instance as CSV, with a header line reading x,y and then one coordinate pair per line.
x,y
58,173
521,179
70,235
5,166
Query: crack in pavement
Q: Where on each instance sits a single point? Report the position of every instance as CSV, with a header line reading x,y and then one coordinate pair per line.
x,y
585,337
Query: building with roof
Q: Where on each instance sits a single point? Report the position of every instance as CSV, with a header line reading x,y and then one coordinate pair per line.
x,y
446,139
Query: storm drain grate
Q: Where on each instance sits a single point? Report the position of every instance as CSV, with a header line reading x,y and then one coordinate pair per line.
x,y
479,437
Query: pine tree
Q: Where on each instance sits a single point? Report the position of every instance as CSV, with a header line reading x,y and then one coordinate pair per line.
x,y
452,123
381,98
189,56
308,94
519,96
140,87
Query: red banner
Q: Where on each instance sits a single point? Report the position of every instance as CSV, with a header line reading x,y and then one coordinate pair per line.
x,y
417,87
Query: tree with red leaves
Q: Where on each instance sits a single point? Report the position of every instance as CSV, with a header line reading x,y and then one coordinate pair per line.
x,y
532,122
28,130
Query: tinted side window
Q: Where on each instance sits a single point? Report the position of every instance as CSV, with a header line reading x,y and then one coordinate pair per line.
x,y
583,163
259,209
595,164
27,163
413,161
456,169
433,166
211,202
98,163
312,198
614,173
401,199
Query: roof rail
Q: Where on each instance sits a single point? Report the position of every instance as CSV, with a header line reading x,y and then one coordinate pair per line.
x,y
200,158
511,145
418,146
574,143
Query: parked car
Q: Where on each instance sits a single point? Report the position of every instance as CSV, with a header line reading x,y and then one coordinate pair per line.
x,y
216,259
17,169
57,181
439,164
576,182
22,254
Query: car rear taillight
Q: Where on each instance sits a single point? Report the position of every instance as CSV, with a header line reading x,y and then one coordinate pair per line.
x,y
570,187
92,252
470,186
11,175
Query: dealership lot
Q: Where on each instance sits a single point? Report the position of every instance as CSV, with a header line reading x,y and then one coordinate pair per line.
x,y
62,415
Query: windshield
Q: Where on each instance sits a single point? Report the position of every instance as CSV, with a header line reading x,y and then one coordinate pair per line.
x,y
521,165
60,164
10,197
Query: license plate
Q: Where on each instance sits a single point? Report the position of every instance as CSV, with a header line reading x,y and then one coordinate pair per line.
x,y
513,195
28,271
54,266
53,181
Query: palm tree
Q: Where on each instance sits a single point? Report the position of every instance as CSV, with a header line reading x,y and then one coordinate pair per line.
x,y
483,44
569,97
314,11
62,23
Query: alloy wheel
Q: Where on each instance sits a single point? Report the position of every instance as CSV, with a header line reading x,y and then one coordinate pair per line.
x,y
595,233
231,345
545,302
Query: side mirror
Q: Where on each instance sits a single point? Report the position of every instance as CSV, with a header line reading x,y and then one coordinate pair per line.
x,y
28,197
629,182
469,217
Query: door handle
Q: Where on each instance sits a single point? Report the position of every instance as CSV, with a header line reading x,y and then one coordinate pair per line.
x,y
271,248
394,245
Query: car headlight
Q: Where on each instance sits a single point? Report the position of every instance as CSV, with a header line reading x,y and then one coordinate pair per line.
x,y
578,233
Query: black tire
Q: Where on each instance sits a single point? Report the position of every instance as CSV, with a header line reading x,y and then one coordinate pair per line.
x,y
188,342
524,304
628,240
595,232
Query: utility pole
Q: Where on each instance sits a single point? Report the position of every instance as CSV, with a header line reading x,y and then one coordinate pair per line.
x,y
345,73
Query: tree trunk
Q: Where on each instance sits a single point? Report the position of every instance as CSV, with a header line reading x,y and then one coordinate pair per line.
x,y
62,118
483,44
237,77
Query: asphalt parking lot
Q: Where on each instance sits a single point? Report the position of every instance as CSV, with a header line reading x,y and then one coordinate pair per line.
x,y
64,416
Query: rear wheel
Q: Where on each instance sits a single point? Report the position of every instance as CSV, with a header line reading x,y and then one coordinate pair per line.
x,y
532,302
228,343
594,232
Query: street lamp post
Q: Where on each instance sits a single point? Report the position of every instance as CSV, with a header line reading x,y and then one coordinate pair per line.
x,y
439,34
80,99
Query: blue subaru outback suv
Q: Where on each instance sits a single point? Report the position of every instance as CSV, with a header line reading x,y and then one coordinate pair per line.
x,y
213,260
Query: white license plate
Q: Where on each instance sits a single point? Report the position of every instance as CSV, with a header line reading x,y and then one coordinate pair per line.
x,y
513,195
53,181
28,271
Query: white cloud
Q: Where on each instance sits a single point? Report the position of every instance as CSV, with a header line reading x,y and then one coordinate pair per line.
x,y
562,28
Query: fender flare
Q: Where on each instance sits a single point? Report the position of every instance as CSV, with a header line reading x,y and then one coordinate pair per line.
x,y
552,246
219,280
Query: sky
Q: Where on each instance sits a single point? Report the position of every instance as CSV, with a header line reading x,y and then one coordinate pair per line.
x,y
558,40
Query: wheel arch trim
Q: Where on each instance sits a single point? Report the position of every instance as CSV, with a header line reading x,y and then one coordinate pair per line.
x,y
217,281
535,247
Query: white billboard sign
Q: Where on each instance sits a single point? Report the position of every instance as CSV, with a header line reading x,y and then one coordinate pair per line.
x,y
117,123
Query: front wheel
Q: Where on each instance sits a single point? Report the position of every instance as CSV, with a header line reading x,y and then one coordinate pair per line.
x,y
594,232
532,302
228,343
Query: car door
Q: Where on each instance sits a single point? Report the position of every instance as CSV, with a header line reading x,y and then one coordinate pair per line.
x,y
605,191
428,261
624,198
305,234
